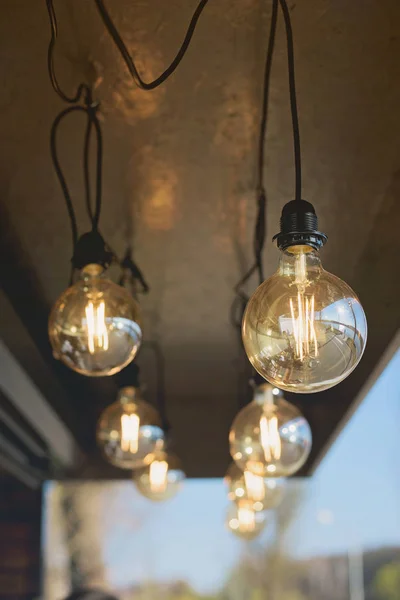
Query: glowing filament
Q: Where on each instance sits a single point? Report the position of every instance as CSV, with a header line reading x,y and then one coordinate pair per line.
x,y
158,476
130,433
303,326
270,439
246,518
96,327
255,486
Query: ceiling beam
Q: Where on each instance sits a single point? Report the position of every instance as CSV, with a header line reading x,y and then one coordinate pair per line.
x,y
29,401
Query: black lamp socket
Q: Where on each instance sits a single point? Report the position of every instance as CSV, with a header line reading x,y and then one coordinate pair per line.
x,y
91,249
299,226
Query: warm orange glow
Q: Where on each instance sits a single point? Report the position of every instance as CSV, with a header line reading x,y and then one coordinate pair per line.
x,y
96,327
158,476
246,518
255,486
303,323
130,433
270,439
303,326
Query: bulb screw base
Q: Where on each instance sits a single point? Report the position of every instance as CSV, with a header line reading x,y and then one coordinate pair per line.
x,y
91,249
299,226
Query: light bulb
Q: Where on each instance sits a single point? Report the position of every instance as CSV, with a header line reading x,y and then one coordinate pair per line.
x,y
263,493
244,521
158,476
94,327
270,437
129,431
161,479
304,330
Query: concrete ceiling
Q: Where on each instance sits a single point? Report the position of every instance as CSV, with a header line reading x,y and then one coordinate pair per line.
x,y
179,177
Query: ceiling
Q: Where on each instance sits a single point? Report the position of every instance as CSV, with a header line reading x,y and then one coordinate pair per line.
x,y
179,179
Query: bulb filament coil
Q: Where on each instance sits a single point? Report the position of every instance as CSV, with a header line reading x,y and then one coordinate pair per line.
x,y
158,476
130,433
270,439
96,327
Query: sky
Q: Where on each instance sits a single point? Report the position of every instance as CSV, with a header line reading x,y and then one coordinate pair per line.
x,y
351,502
354,496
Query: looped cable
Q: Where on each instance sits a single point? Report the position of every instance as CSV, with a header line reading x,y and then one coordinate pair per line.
x,y
114,33
136,274
83,90
58,169
260,227
93,122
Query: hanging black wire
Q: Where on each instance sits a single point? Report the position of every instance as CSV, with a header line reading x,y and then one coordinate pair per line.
x,y
83,90
114,33
83,101
260,228
132,275
93,122
86,170
58,170
293,99
84,95
261,224
92,117
245,372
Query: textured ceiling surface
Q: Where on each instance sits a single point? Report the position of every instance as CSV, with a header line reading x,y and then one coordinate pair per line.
x,y
179,177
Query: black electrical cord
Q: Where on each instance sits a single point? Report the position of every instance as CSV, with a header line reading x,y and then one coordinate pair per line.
x,y
83,101
114,33
239,303
58,170
83,90
86,170
84,94
93,122
134,276
260,225
293,99
92,115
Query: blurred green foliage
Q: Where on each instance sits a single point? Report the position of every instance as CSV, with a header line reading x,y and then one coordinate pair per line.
x,y
387,582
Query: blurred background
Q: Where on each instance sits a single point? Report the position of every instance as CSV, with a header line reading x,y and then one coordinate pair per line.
x,y
179,189
335,535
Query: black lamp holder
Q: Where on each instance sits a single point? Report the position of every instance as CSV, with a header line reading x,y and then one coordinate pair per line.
x,y
91,248
299,226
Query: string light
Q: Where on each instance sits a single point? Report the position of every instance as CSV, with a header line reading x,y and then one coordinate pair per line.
x,y
245,522
304,330
160,480
270,437
129,431
158,476
94,326
263,493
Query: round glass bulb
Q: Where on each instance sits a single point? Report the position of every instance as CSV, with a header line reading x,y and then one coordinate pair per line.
x,y
244,521
263,493
161,479
94,327
129,431
304,330
270,437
